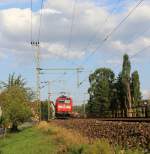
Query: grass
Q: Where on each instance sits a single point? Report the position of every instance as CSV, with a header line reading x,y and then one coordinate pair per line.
x,y
52,139
28,141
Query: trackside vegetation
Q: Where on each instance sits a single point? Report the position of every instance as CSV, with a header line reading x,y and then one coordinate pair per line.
x,y
119,95
14,101
52,139
72,142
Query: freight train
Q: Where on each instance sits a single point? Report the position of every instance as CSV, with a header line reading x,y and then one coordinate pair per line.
x,y
63,106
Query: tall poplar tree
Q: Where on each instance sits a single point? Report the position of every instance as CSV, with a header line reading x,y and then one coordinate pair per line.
x,y
126,69
135,88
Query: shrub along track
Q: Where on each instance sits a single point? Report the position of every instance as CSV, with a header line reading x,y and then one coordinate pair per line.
x,y
126,134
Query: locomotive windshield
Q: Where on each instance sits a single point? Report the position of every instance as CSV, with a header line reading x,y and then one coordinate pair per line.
x,y
67,101
61,101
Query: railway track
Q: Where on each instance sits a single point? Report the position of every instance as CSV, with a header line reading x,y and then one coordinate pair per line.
x,y
147,120
139,119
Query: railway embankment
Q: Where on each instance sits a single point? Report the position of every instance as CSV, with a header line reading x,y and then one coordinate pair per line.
x,y
124,134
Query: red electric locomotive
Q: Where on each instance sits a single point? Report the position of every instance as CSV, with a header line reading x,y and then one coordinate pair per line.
x,y
63,106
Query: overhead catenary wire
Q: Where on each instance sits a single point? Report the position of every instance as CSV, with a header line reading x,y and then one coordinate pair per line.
x,y
106,20
90,40
97,31
31,7
114,30
40,22
132,56
71,26
117,27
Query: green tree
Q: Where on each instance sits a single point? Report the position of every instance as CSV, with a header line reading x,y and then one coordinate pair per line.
x,y
13,81
14,100
135,88
100,91
16,110
115,99
126,69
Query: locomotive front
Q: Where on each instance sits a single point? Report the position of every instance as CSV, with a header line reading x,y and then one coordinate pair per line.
x,y
63,106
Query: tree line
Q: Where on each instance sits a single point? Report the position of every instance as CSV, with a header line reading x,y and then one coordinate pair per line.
x,y
120,94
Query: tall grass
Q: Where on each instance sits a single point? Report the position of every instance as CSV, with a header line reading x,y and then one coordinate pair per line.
x,y
72,142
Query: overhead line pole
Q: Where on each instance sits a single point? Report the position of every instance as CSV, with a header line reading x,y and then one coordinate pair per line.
x,y
36,45
49,103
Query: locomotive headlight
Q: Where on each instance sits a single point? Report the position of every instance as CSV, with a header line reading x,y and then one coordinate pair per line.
x,y
59,106
68,107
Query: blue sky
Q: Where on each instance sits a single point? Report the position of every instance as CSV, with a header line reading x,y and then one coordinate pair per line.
x,y
16,54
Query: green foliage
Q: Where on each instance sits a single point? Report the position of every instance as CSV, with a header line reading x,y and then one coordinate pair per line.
x,y
17,81
126,69
15,106
117,95
135,88
14,81
99,147
14,101
100,91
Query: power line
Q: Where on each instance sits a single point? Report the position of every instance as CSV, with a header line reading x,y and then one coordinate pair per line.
x,y
71,27
142,33
145,48
91,38
31,21
40,23
96,33
117,27
105,22
114,30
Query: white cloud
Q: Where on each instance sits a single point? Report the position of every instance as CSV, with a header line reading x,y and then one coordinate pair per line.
x,y
59,50
14,1
15,29
146,94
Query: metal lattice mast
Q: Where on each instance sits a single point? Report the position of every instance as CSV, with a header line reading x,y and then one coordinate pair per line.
x,y
36,45
49,100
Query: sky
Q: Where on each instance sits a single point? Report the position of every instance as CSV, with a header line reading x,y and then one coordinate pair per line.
x,y
71,37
